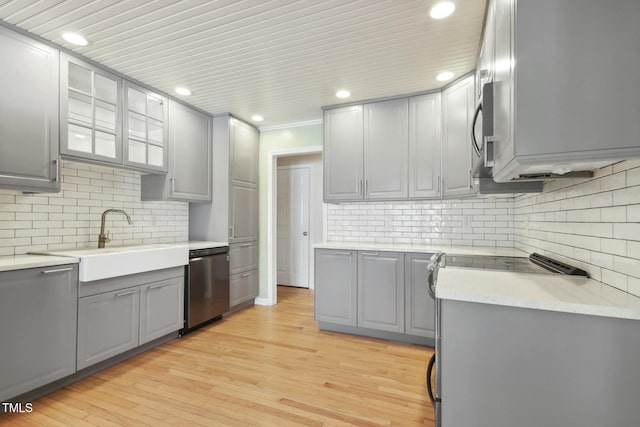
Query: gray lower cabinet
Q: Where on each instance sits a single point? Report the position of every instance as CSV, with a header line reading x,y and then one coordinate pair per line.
x,y
108,325
38,314
243,287
381,291
189,175
28,114
419,316
243,257
336,286
507,366
161,309
122,313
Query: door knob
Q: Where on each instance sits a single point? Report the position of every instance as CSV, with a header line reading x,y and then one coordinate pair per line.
x,y
304,233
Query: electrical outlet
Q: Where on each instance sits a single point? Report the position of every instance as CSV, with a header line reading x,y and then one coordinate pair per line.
x,y
154,220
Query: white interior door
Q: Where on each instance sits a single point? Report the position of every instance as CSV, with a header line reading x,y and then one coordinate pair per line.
x,y
293,226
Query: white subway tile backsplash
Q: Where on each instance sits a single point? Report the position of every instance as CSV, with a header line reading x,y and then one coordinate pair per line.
x,y
71,219
595,226
478,222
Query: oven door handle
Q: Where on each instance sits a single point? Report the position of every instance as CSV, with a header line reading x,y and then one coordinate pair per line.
x,y
430,366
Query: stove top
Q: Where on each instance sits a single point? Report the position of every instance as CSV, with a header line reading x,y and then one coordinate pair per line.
x,y
536,263
501,263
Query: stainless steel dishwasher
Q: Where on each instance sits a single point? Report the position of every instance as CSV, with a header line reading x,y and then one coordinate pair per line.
x,y
207,287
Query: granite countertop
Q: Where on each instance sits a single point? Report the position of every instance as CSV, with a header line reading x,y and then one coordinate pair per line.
x,y
22,262
391,247
553,292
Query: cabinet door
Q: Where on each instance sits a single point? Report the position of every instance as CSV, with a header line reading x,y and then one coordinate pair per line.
x,y
386,149
424,145
484,66
381,291
336,286
90,112
457,114
419,306
108,325
145,127
243,287
343,154
190,154
28,114
38,314
243,214
243,153
503,85
243,257
161,309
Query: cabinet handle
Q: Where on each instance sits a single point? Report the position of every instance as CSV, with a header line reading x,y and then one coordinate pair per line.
x,y
366,187
158,286
370,253
126,293
470,179
231,232
342,253
173,185
245,275
438,184
246,245
57,270
56,163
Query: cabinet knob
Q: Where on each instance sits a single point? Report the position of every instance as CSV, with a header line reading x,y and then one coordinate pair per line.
x,y
304,233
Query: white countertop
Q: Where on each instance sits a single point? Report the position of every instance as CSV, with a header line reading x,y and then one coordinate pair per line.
x,y
553,292
391,247
21,262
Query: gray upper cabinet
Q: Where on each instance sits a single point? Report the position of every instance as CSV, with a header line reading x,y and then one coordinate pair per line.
x,y
90,112
380,291
566,92
424,146
386,149
29,128
190,159
336,286
243,214
145,126
343,154
419,306
243,154
457,115
38,314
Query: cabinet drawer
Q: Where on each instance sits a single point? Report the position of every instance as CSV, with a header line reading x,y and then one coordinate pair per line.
x,y
107,325
243,257
243,287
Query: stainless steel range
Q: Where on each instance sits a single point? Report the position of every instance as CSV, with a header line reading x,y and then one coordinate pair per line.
x,y
535,263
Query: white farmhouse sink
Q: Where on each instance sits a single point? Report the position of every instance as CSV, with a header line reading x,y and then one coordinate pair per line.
x,y
98,264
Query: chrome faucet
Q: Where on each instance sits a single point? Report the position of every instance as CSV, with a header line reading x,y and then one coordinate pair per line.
x,y
104,238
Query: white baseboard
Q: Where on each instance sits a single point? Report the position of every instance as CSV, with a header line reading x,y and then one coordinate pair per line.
x,y
261,301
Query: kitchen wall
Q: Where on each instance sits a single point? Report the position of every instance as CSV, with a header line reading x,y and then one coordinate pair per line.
x,y
281,139
71,218
485,221
593,223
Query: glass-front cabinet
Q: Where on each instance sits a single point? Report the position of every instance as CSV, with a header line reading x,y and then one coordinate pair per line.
x,y
91,112
145,124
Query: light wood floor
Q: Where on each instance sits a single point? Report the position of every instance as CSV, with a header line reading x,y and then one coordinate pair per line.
x,y
262,366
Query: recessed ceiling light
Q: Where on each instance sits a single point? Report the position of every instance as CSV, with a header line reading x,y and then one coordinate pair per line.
x,y
76,39
257,118
183,91
444,76
343,94
442,9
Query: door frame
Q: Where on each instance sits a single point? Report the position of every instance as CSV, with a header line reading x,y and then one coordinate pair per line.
x,y
312,217
272,216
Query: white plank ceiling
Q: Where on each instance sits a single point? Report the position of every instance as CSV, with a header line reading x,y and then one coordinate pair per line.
x,y
283,59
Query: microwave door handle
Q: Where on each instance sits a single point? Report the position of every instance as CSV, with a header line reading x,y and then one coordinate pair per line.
x,y
474,141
